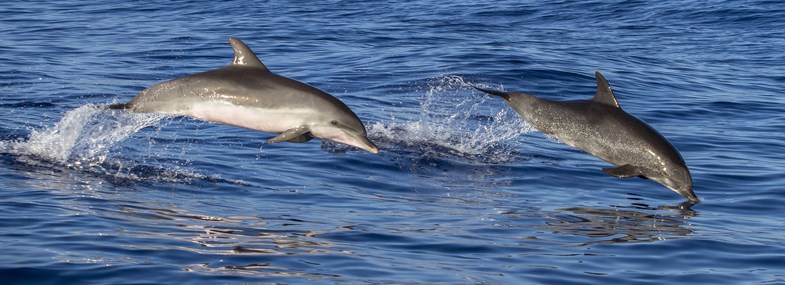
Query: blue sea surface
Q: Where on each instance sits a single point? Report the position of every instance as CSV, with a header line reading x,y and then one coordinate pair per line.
x,y
463,190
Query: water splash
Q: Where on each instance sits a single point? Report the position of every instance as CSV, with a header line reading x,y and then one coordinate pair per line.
x,y
453,121
84,139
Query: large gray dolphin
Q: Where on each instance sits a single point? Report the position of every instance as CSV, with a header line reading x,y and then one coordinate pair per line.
x,y
601,128
246,94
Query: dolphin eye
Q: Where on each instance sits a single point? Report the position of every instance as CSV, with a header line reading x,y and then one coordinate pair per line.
x,y
334,122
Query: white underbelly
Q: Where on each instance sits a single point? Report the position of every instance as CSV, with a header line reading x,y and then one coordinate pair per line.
x,y
266,120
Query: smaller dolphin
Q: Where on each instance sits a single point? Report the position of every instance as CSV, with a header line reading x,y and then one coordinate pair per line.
x,y
247,94
601,128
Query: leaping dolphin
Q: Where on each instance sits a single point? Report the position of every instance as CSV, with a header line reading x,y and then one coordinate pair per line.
x,y
601,128
247,94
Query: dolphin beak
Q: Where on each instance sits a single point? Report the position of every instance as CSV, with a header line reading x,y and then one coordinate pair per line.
x,y
687,193
684,189
360,141
679,182
366,144
371,147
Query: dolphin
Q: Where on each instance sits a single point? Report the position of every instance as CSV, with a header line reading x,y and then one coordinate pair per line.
x,y
601,128
247,94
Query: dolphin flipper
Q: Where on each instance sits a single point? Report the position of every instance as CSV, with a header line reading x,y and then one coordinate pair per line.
x,y
298,134
624,171
302,138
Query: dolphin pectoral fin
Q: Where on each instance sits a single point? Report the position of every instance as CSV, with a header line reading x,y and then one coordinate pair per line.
x,y
302,138
298,134
624,171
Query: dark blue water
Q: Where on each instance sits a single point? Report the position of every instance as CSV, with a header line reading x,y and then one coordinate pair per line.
x,y
462,191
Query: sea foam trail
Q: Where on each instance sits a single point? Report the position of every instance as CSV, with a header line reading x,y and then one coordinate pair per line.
x,y
455,119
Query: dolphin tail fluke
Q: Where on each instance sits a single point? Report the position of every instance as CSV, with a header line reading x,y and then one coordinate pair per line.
x,y
502,94
120,106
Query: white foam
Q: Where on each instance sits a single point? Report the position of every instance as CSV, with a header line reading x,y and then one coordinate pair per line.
x,y
83,137
457,119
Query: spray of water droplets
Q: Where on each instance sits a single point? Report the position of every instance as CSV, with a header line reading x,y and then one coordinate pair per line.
x,y
456,120
83,137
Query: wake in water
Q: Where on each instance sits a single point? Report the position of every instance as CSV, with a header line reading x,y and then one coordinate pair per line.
x,y
454,120
83,140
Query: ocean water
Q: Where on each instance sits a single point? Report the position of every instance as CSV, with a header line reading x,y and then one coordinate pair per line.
x,y
462,192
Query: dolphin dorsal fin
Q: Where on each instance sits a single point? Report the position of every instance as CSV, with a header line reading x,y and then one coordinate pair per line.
x,y
243,55
604,92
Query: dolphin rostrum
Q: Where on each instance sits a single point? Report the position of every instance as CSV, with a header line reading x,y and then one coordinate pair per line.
x,y
601,128
247,94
